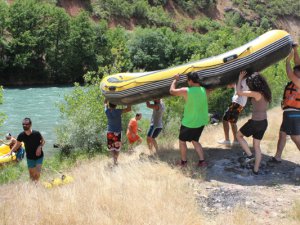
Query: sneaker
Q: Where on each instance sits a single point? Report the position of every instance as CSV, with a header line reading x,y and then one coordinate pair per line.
x,y
249,159
182,163
224,142
255,173
202,164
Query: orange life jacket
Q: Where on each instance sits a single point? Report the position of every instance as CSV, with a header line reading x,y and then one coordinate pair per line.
x,y
291,97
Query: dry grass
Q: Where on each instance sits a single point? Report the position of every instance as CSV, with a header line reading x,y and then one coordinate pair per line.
x,y
239,216
295,214
132,193
136,192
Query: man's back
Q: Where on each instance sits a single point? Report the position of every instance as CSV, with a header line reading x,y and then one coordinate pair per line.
x,y
196,108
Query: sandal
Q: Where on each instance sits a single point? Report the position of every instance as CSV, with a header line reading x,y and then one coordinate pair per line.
x,y
274,160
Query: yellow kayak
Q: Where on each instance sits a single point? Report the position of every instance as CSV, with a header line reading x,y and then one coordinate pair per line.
x,y
133,88
4,158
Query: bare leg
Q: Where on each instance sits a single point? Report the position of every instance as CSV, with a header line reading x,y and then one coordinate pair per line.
x,y
258,156
155,144
150,144
280,145
35,172
243,143
140,140
226,129
234,131
115,155
183,149
38,171
296,140
198,149
130,147
31,173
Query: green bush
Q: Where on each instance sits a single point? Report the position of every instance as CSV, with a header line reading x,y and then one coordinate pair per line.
x,y
157,16
150,49
192,6
84,119
11,172
158,2
205,25
234,19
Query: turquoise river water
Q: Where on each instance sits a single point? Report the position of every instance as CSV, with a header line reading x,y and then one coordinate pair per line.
x,y
39,104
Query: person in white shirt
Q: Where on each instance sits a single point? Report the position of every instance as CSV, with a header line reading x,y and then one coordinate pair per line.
x,y
232,113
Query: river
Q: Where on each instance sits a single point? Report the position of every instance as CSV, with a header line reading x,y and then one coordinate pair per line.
x,y
39,104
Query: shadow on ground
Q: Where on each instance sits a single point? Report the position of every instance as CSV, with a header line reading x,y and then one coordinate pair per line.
x,y
224,166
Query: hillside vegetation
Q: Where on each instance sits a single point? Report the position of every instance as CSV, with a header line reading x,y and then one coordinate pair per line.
x,y
41,44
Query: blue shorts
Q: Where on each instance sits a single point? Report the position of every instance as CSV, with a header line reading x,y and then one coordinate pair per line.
x,y
291,123
153,132
31,163
20,154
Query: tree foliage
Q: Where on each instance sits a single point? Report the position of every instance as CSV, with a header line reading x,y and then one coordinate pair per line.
x,y
2,115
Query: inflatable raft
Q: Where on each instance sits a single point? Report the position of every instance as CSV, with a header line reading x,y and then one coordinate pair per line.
x,y
133,88
4,158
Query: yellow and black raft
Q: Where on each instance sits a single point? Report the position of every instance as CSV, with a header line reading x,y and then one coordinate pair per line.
x,y
4,156
133,88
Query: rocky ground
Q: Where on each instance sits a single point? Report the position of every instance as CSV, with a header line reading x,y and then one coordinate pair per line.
x,y
270,195
226,184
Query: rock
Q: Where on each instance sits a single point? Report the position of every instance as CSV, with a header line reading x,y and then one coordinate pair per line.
x,y
296,175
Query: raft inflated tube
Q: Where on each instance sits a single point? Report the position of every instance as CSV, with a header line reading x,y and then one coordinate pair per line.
x,y
4,149
4,158
134,88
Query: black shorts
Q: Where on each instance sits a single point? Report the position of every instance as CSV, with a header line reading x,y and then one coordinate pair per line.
x,y
254,128
232,113
190,134
153,132
291,122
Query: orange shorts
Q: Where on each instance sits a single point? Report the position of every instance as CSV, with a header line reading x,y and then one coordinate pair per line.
x,y
131,139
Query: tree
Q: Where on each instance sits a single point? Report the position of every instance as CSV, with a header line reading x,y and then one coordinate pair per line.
x,y
81,50
26,26
3,41
150,49
57,52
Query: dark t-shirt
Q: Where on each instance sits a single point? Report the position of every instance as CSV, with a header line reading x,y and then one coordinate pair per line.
x,y
31,142
114,119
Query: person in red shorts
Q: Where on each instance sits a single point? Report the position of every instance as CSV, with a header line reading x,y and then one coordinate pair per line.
x,y
132,131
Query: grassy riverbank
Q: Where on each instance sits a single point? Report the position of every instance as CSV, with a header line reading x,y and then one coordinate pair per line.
x,y
152,190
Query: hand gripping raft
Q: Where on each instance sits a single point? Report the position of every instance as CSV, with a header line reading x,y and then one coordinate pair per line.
x,y
134,88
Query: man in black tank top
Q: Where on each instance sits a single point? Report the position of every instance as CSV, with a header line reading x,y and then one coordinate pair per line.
x,y
34,143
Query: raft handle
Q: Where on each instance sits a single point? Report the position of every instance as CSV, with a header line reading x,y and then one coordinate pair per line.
x,y
112,88
229,58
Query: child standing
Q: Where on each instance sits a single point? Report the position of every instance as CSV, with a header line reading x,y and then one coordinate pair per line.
x,y
132,130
